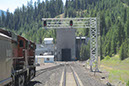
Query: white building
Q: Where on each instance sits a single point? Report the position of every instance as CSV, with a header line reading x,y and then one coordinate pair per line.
x,y
44,59
45,52
48,41
48,46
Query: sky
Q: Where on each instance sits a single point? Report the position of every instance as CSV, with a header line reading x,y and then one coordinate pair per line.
x,y
13,4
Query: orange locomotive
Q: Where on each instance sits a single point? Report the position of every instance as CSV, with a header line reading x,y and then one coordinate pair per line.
x,y
23,57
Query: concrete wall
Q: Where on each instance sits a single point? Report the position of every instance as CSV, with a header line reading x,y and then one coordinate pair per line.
x,y
65,39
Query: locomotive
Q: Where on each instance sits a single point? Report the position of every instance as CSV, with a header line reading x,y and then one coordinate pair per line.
x,y
17,59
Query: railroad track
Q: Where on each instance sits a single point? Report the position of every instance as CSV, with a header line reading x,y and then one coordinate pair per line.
x,y
39,72
70,78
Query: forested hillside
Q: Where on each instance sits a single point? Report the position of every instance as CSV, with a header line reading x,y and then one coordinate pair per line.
x,y
27,20
114,21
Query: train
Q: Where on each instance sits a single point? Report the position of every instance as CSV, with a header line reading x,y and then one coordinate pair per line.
x,y
17,59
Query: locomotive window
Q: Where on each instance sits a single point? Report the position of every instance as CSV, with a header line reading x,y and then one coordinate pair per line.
x,y
27,45
21,43
32,46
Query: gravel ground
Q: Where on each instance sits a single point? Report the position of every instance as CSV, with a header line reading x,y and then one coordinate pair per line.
x,y
52,76
85,77
49,77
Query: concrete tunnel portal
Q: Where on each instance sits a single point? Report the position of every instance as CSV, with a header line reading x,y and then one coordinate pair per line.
x,y
65,44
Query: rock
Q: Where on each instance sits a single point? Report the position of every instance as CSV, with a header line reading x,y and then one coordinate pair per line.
x,y
102,77
108,84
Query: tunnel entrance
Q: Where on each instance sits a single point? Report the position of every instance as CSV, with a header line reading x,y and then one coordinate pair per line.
x,y
66,54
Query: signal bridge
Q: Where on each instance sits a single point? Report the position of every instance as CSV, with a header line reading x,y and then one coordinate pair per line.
x,y
92,23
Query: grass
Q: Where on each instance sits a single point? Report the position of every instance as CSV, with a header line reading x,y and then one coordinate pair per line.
x,y
127,83
60,16
118,70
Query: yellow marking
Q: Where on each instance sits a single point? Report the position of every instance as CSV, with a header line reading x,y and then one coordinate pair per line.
x,y
62,77
78,78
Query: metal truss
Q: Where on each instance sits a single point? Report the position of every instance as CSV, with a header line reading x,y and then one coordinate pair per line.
x,y
64,22
91,23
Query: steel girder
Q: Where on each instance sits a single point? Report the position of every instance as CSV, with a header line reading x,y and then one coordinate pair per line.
x,y
91,23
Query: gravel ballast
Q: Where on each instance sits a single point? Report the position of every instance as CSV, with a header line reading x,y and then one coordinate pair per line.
x,y
49,77
85,77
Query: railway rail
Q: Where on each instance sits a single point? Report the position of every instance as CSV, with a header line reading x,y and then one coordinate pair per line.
x,y
39,72
66,74
70,77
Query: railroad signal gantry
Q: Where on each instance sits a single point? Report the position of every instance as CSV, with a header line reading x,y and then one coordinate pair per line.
x,y
91,22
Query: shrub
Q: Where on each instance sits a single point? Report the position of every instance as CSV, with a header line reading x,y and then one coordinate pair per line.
x,y
127,84
107,57
122,52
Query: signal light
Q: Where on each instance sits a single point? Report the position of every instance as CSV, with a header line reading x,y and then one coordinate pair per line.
x,y
71,23
45,23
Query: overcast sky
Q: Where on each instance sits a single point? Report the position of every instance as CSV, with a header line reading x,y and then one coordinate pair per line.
x,y
13,4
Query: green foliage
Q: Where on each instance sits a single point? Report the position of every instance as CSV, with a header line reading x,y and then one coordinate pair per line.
x,y
85,52
122,53
26,21
107,57
118,70
127,84
114,21
124,50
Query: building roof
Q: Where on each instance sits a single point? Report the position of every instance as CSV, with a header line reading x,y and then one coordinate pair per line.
x,y
81,37
1,34
48,39
47,56
77,37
